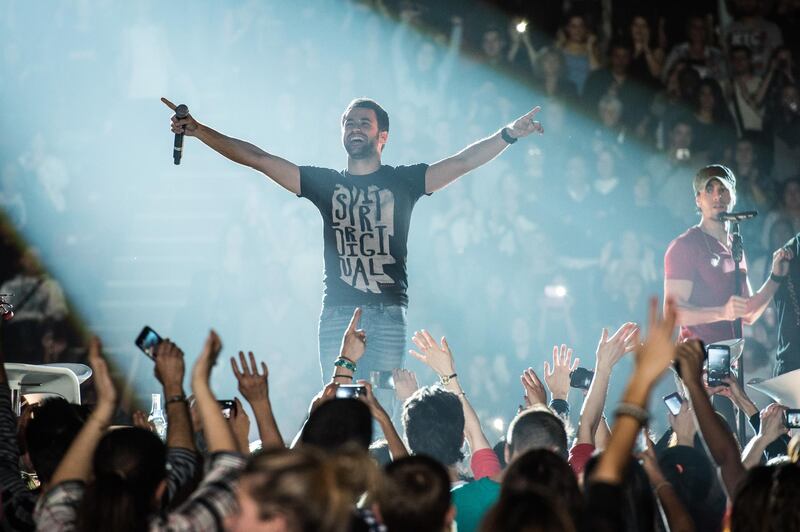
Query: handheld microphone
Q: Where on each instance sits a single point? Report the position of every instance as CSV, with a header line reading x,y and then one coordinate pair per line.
x,y
182,111
737,216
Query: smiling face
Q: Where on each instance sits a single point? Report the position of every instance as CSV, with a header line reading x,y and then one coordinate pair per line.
x,y
714,200
360,135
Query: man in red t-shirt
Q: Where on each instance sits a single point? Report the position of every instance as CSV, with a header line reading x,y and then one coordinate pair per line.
x,y
699,268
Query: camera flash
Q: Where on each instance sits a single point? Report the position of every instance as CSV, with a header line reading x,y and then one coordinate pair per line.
x,y
522,25
498,424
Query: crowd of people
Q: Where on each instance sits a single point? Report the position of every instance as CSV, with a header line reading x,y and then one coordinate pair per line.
x,y
565,234
66,467
634,102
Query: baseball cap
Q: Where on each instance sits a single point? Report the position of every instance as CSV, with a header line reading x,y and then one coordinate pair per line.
x,y
714,171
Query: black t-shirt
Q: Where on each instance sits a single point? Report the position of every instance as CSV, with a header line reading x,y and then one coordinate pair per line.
x,y
365,229
787,301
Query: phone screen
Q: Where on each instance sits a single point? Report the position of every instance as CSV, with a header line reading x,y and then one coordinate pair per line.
x,y
793,418
147,341
581,378
719,364
350,391
673,402
227,406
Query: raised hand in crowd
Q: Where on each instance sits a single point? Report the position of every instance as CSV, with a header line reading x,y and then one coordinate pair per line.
x,y
534,391
354,345
683,424
77,462
396,446
737,395
716,435
169,371
556,377
772,426
436,356
652,358
609,351
239,423
439,358
405,383
217,434
254,387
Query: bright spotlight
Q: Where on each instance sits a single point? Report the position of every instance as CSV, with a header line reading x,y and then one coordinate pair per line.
x,y
522,25
498,424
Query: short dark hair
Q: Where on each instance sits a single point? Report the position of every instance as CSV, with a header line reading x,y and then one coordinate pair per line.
x,y
338,423
531,510
368,103
415,495
537,428
53,425
433,419
544,470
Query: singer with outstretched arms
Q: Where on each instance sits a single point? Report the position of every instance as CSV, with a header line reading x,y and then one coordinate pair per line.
x,y
699,266
366,211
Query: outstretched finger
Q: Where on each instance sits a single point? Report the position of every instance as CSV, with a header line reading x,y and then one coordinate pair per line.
x,y
235,368
265,369
354,320
169,103
253,364
416,355
555,356
445,345
533,112
547,371
575,363
429,338
245,367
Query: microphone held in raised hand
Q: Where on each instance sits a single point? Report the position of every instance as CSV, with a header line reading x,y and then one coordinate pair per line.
x,y
182,111
737,216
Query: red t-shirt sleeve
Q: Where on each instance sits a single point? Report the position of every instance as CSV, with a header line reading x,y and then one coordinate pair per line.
x,y
484,463
579,455
679,261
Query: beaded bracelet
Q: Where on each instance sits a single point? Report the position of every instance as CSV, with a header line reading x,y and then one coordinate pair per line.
x,y
635,411
344,363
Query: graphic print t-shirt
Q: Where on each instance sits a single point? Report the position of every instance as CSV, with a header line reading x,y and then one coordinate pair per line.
x,y
365,229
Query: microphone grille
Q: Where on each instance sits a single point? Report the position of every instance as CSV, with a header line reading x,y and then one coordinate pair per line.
x,y
182,111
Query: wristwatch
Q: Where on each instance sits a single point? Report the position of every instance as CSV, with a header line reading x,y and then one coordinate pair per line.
x,y
447,378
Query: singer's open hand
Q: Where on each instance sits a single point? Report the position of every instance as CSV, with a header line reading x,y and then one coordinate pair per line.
x,y
780,261
187,126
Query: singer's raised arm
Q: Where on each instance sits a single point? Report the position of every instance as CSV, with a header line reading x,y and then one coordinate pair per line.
x,y
444,172
283,172
758,303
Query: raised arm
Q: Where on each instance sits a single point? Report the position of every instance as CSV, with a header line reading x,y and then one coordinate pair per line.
x,y
717,437
169,370
215,428
771,428
609,352
254,386
77,462
439,358
652,358
759,301
281,171
396,446
444,172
